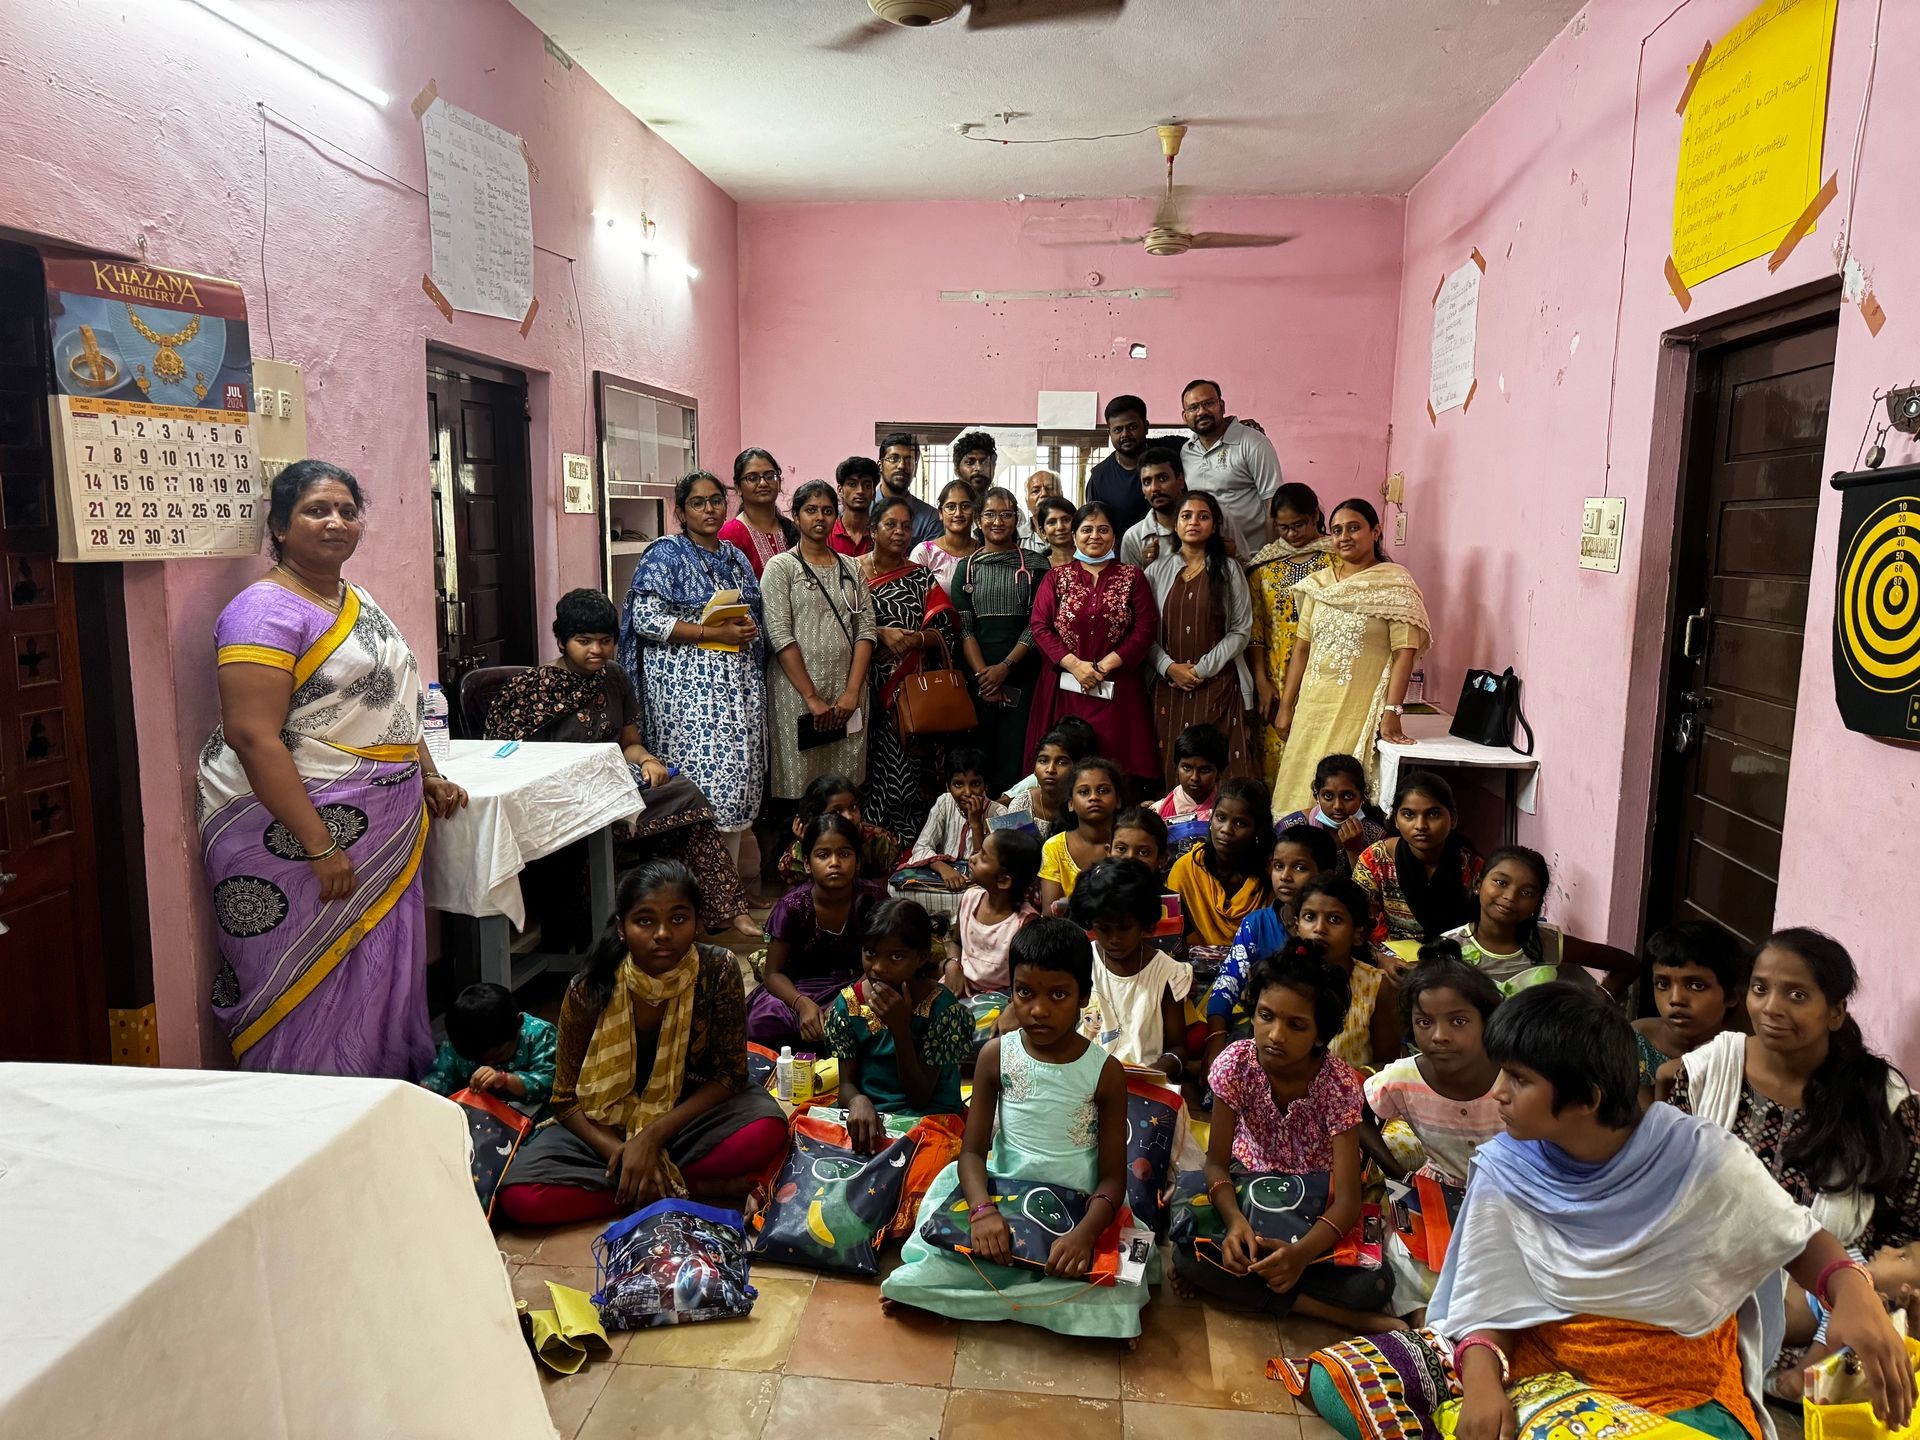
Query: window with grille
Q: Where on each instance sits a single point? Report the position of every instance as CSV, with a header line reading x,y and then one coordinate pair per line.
x,y
1070,454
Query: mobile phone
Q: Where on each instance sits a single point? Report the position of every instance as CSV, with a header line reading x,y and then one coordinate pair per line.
x,y
1011,696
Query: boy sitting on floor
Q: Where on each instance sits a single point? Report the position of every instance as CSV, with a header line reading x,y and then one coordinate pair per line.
x,y
492,1045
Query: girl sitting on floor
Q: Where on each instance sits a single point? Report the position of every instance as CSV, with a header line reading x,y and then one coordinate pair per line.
x,y
1136,1015
1834,1124
957,825
1622,1247
1421,879
1095,800
1139,834
1698,974
1050,1106
1340,806
837,795
813,939
1333,910
1444,1094
1224,880
1508,939
1281,1102
650,1080
994,909
1300,853
897,1032
1044,793
1200,754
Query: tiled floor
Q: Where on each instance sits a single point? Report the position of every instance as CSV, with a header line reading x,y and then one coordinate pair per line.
x,y
818,1357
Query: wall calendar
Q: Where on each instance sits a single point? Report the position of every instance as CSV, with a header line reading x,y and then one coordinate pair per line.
x,y
155,455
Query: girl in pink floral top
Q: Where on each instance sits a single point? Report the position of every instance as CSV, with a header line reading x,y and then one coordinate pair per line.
x,y
1282,1103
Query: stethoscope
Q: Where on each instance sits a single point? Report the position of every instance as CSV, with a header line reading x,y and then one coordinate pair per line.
x,y
1021,574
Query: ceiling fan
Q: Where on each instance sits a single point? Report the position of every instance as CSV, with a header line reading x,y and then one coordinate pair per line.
x,y
893,15
1169,234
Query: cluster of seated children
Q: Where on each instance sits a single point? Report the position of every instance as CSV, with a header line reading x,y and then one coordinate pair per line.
x,y
1679,1211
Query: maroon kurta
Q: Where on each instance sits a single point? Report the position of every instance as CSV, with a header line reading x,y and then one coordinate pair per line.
x,y
1076,614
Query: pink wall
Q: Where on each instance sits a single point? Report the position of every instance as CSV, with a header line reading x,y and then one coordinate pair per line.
x,y
842,324
1542,186
101,163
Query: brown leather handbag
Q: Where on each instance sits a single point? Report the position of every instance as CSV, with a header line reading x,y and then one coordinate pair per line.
x,y
934,702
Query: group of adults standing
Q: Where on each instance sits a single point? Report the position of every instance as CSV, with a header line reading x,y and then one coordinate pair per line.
x,y
1193,585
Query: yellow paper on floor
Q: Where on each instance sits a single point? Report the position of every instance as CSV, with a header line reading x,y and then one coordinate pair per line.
x,y
563,1335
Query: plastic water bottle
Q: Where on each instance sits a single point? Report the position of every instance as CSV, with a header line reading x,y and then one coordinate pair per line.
x,y
439,739
783,1075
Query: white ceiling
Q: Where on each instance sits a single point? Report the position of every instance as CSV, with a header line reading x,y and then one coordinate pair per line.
x,y
1286,97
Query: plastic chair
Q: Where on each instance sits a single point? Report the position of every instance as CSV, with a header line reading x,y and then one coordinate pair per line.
x,y
477,689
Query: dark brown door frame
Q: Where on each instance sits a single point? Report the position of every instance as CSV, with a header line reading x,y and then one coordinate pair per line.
x,y
1650,670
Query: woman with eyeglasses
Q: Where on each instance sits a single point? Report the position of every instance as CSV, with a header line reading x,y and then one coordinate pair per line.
x,y
993,590
759,531
1299,547
700,685
1095,621
915,628
957,542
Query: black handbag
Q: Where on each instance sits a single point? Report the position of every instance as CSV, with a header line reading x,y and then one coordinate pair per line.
x,y
1488,710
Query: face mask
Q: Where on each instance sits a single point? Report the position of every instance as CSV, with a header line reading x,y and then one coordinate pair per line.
x,y
1086,559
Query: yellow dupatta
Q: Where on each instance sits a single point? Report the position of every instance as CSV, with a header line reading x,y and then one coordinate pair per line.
x,y
606,1086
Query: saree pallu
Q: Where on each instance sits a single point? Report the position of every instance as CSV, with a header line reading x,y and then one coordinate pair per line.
x,y
336,988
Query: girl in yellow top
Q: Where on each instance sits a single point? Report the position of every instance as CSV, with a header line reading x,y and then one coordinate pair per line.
x,y
1093,799
1224,880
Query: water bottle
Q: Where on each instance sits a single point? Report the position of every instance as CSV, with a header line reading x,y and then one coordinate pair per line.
x,y
1417,687
783,1075
439,739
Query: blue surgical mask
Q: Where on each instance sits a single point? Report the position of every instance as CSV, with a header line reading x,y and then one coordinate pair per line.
x,y
1086,559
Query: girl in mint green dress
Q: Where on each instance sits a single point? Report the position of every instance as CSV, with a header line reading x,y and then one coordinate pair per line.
x,y
1047,1106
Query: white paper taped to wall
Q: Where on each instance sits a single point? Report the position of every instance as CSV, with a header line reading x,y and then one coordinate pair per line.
x,y
480,212
1456,318
1069,410
1013,444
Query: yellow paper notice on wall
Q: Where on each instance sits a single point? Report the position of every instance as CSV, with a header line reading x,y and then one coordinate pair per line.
x,y
1750,150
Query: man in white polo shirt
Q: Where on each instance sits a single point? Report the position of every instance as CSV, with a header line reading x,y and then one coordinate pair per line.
x,y
1234,461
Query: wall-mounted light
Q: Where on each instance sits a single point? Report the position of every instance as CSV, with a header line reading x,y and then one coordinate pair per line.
x,y
301,54
644,228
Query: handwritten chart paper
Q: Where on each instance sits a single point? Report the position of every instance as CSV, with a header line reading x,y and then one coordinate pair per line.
x,y
480,211
1750,149
1456,323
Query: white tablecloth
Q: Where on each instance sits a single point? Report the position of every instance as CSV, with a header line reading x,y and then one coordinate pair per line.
x,y
1436,747
198,1254
522,806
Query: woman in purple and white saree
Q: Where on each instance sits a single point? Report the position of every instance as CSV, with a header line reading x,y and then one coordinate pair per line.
x,y
314,796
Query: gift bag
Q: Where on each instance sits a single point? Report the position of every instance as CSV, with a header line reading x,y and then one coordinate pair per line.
x,y
1279,1206
1037,1214
831,1206
986,1008
1556,1406
673,1263
494,1132
1422,1212
924,878
1154,1114
1183,835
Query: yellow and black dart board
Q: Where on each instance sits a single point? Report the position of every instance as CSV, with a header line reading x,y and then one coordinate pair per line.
x,y
1876,606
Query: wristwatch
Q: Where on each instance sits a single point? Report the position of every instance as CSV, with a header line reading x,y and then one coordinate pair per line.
x,y
1394,709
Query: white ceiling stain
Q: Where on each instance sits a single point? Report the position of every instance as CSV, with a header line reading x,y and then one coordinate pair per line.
x,y
1285,97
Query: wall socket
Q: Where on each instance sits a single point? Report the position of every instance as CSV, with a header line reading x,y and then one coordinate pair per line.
x,y
1400,528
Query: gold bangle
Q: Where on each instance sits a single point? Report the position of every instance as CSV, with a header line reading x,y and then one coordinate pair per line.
x,y
331,850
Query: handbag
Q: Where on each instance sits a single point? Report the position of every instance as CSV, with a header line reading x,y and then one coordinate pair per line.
x,y
934,702
1488,709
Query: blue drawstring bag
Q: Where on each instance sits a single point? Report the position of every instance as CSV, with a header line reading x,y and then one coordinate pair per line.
x,y
672,1263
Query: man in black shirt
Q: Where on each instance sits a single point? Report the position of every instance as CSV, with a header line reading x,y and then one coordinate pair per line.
x,y
975,458
1115,481
899,463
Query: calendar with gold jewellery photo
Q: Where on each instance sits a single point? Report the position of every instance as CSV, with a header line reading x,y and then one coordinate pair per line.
x,y
155,455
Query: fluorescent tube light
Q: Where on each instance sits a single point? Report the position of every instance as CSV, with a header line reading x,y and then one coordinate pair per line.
x,y
301,54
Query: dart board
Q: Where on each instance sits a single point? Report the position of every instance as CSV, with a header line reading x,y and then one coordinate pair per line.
x,y
1876,606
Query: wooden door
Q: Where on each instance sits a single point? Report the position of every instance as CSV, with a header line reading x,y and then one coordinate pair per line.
x,y
1750,501
52,986
483,510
